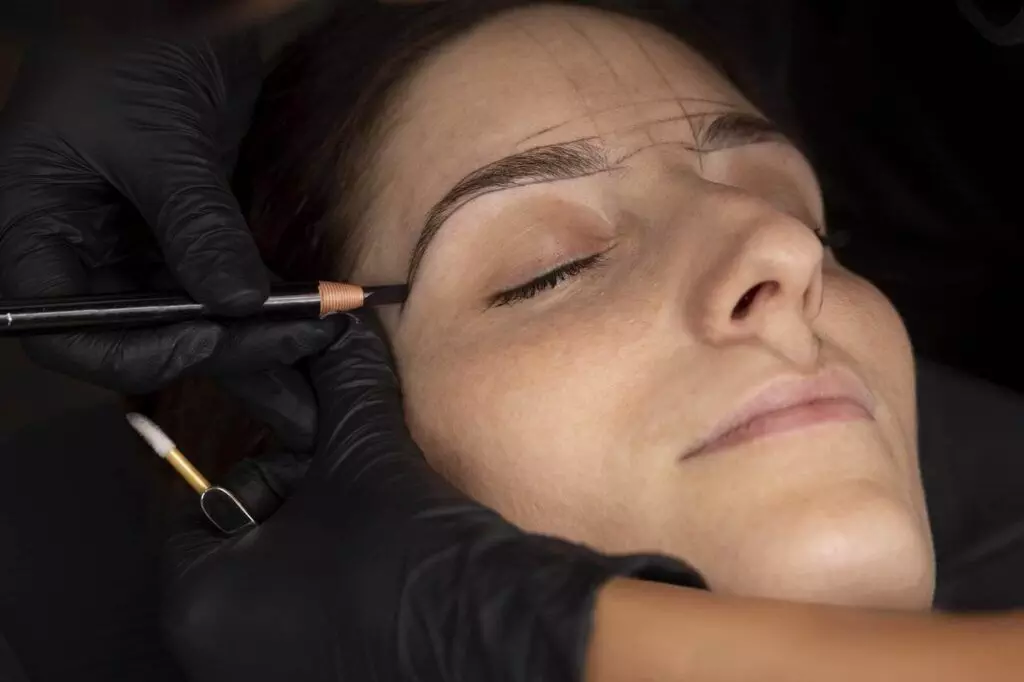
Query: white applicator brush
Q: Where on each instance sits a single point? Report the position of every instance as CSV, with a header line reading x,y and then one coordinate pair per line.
x,y
165,447
219,504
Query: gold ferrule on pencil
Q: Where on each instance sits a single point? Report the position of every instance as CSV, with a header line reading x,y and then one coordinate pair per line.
x,y
187,471
339,297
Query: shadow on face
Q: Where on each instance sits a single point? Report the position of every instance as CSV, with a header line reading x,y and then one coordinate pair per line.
x,y
623,326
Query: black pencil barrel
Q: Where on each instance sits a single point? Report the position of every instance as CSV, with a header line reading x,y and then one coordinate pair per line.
x,y
287,301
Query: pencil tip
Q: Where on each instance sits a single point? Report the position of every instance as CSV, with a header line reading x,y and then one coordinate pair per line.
x,y
386,295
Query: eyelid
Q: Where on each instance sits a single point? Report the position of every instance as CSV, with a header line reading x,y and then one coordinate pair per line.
x,y
547,280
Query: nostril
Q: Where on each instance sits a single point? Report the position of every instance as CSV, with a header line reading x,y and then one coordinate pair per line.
x,y
746,302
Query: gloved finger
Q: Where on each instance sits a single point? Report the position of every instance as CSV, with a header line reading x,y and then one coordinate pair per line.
x,y
130,361
143,360
37,261
47,199
207,243
356,368
195,539
281,398
361,415
262,484
188,201
256,346
188,532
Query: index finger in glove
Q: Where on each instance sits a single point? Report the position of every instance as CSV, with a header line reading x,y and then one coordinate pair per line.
x,y
207,242
185,196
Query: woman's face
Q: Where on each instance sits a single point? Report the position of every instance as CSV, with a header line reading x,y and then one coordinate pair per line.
x,y
690,291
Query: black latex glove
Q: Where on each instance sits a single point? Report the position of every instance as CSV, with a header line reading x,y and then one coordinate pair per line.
x,y
112,167
116,19
378,569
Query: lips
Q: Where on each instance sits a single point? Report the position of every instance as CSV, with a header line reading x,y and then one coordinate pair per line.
x,y
790,403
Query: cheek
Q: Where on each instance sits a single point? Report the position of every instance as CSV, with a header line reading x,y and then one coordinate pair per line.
x,y
532,422
858,319
863,324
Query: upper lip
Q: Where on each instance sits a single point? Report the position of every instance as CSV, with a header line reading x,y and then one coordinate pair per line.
x,y
834,383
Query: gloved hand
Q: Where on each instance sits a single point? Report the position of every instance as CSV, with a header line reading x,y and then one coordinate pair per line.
x,y
378,569
113,166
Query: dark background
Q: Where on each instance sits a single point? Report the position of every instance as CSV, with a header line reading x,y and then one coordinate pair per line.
x,y
914,124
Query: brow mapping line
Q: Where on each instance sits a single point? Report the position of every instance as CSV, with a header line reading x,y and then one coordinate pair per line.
x,y
561,67
633,127
593,46
689,147
664,80
665,100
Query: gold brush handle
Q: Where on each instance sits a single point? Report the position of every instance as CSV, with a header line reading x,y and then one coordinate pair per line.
x,y
188,472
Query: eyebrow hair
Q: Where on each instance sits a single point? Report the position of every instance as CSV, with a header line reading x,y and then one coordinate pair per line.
x,y
563,161
737,129
570,160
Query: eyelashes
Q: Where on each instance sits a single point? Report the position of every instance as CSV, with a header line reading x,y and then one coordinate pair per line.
x,y
834,239
563,273
549,280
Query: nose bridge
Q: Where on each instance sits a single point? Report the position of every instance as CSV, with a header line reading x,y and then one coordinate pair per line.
x,y
759,277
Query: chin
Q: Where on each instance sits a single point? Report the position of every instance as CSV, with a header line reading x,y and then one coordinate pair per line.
x,y
869,551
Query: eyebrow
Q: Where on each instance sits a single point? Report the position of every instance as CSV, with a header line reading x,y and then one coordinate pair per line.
x,y
736,129
575,159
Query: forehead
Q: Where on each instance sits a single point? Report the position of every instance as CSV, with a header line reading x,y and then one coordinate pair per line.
x,y
532,77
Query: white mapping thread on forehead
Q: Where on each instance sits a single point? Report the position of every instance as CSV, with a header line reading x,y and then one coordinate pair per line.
x,y
151,433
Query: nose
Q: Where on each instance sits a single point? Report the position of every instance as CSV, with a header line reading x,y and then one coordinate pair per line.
x,y
763,283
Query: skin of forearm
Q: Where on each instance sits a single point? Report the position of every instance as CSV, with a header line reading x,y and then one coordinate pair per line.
x,y
649,632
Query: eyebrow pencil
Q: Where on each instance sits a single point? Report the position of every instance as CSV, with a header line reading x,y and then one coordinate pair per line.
x,y
286,301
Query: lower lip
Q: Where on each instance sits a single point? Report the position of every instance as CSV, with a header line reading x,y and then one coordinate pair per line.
x,y
789,419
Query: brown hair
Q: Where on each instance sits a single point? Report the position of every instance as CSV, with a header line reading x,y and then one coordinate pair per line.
x,y
301,171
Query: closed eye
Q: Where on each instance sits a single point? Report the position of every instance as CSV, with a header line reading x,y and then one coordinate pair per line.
x,y
548,280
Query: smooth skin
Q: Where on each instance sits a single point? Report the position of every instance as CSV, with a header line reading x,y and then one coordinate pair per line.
x,y
647,631
711,282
